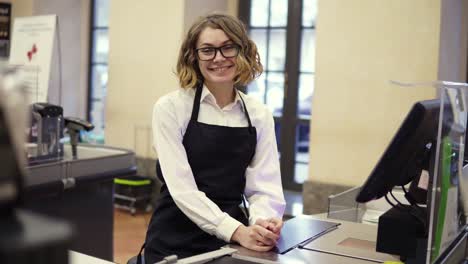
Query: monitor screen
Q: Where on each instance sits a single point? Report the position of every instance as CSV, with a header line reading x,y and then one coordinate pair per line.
x,y
407,154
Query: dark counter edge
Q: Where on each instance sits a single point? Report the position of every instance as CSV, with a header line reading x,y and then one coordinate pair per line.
x,y
58,186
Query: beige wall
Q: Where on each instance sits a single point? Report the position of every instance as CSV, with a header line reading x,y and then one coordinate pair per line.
x,y
196,8
20,8
73,18
144,41
361,45
453,40
74,36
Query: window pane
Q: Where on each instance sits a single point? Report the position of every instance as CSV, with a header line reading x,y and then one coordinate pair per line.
x,y
279,13
278,133
301,172
306,91
99,81
309,12
308,50
97,115
259,13
101,13
277,50
275,92
100,46
259,36
256,88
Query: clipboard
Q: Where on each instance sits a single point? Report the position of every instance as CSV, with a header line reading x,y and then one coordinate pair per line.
x,y
300,231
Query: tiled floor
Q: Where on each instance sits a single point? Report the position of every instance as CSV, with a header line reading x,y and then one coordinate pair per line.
x,y
129,231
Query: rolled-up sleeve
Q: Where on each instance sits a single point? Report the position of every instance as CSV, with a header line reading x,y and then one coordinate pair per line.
x,y
178,176
263,187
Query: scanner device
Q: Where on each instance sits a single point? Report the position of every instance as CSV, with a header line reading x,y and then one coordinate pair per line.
x,y
74,126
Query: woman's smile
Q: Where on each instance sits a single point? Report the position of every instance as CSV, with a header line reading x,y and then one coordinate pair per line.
x,y
220,69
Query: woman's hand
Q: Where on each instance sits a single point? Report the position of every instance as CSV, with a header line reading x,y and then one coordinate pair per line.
x,y
272,224
255,237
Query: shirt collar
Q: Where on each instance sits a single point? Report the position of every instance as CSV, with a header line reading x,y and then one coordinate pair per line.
x,y
207,96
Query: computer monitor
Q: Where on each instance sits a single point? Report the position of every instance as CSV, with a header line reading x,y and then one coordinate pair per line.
x,y
11,173
465,153
407,230
408,153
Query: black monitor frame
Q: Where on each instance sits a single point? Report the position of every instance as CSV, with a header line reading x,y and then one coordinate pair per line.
x,y
407,154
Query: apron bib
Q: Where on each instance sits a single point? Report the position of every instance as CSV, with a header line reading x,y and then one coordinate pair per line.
x,y
218,157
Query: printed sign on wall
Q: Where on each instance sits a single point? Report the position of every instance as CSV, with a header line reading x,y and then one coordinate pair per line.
x,y
31,47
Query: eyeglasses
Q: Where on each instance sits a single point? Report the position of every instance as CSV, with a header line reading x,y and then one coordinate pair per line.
x,y
209,53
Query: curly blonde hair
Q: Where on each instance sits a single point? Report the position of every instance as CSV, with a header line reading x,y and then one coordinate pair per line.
x,y
248,62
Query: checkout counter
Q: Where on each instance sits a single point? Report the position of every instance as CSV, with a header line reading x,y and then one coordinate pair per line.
x,y
349,243
353,241
80,191
54,196
72,181
330,248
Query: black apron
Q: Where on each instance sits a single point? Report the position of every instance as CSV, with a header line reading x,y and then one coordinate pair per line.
x,y
218,157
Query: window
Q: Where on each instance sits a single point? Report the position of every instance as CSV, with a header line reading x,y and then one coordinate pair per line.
x,y
284,31
98,78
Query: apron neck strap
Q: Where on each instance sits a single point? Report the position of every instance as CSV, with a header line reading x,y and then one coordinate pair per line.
x,y
245,109
196,102
140,256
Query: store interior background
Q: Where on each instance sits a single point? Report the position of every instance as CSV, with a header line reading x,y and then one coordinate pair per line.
x,y
360,47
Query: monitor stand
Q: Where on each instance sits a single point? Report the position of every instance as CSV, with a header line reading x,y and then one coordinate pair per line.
x,y
402,231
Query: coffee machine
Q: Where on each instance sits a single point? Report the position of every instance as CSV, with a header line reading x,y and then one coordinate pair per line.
x,y
46,132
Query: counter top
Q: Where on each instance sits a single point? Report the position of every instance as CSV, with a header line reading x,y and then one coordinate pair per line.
x,y
92,161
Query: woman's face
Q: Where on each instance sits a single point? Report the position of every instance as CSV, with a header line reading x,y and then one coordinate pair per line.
x,y
217,70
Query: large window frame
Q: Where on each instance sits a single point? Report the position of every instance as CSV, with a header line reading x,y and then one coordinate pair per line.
x,y
290,119
96,94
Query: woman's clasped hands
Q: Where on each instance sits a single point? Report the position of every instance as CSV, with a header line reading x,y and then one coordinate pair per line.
x,y
262,236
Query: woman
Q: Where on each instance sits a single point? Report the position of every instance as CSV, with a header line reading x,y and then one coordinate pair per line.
x,y
215,145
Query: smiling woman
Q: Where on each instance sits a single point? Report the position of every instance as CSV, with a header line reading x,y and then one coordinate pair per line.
x,y
217,147
217,68
223,30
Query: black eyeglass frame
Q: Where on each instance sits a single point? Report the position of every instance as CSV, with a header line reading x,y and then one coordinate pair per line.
x,y
216,49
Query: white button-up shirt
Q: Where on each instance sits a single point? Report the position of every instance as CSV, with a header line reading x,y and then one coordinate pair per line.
x,y
171,115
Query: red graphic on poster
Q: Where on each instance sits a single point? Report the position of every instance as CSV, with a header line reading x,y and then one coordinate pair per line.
x,y
32,52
